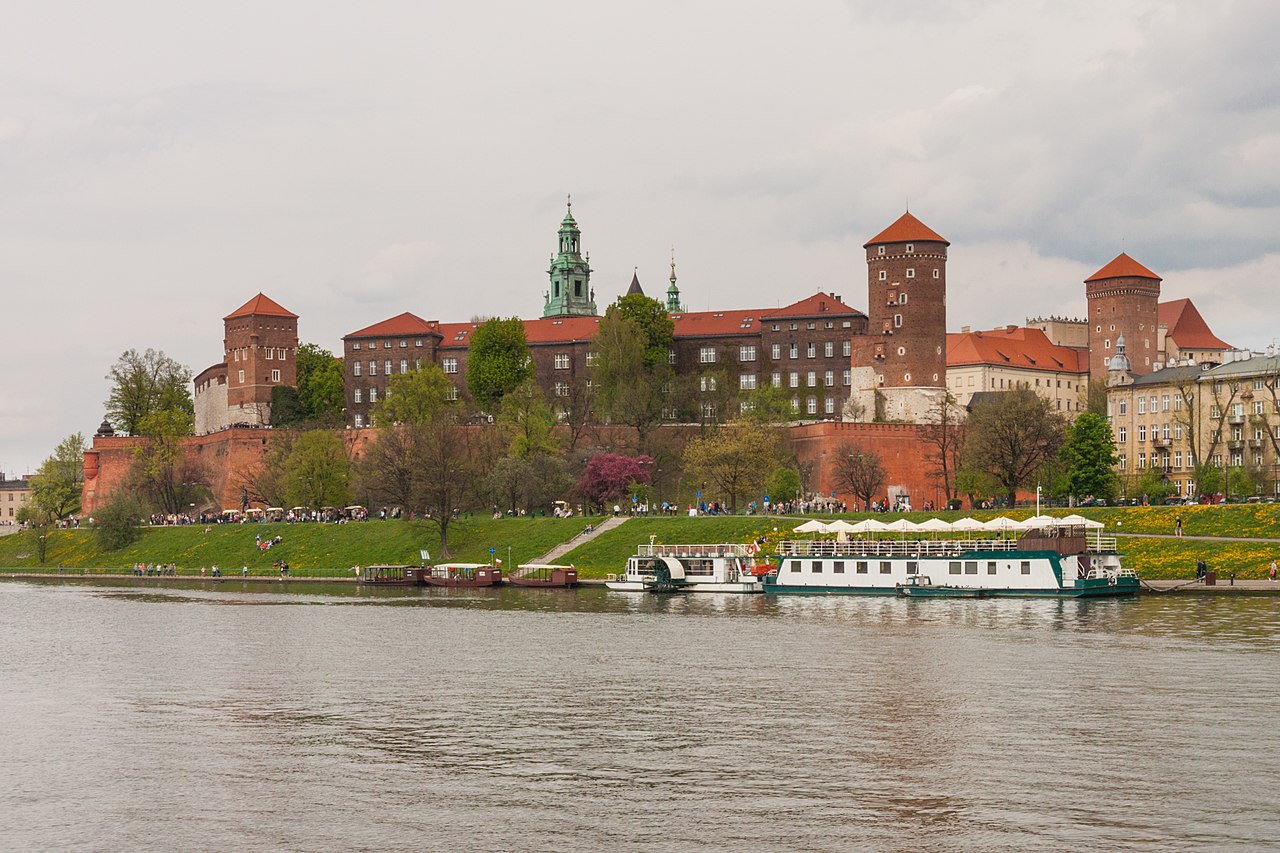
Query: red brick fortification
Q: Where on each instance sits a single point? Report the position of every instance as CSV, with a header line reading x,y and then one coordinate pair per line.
x,y
902,449
1124,299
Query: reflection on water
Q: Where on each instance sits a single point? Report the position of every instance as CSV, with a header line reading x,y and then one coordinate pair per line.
x,y
334,716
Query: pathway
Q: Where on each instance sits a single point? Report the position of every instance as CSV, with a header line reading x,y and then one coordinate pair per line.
x,y
565,547
1110,532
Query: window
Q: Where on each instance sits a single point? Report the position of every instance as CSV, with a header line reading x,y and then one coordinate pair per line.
x,y
359,421
884,276
954,568
592,359
794,379
816,567
897,321
709,411
561,361
671,356
1177,459
1259,408
812,378
886,567
562,389
794,351
1164,403
386,367
373,395
829,349
848,376
271,353
911,249
1122,435
971,567
275,376
746,353
747,382
1026,567
911,272
937,273
775,351
450,365
776,379
862,567
1122,461
707,355
811,405
1142,405
837,568
795,405
829,378
991,568
846,348
830,405
242,376
708,383
1142,460
879,250
453,393
1124,407
356,396
913,567
418,342
386,344
404,365
902,299
811,351
1142,433
355,368
355,345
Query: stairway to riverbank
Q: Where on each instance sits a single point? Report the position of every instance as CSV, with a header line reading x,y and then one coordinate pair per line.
x,y
585,536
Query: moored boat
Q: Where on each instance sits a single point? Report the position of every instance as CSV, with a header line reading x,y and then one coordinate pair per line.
x,y
1045,557
462,575
691,568
392,575
545,575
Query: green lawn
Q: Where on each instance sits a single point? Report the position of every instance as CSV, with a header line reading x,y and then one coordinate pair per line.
x,y
321,549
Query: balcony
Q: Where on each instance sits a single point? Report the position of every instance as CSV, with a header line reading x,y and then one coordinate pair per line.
x,y
1235,420
1235,444
1157,441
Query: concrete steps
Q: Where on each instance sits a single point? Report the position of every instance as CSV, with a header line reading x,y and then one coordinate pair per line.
x,y
565,547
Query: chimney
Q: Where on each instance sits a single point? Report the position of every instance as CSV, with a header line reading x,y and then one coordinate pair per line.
x,y
964,330
1010,328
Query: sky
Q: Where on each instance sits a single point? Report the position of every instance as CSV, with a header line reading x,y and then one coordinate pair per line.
x,y
161,163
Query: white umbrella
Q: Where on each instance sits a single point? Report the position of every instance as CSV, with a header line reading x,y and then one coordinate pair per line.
x,y
935,525
1080,521
967,524
812,526
1004,523
1041,521
840,526
902,525
870,525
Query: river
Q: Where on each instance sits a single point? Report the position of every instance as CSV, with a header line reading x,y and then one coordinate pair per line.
x,y
254,717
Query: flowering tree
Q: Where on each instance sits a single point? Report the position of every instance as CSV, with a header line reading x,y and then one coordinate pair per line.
x,y
608,476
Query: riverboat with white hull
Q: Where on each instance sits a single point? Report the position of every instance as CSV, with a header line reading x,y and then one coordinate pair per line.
x,y
691,568
1053,562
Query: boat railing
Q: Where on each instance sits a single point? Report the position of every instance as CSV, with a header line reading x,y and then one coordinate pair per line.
x,y
1099,574
891,547
1099,543
724,549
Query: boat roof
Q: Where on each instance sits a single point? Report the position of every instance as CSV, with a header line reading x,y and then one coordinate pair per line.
x,y
545,566
464,566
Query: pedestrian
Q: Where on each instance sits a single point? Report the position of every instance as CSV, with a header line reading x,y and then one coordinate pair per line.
x,y
1177,525
1273,571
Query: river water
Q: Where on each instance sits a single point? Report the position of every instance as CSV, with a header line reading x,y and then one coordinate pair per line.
x,y
253,717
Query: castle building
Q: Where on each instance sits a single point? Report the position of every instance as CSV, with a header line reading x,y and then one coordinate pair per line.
x,y
1017,357
1123,300
900,366
15,492
260,347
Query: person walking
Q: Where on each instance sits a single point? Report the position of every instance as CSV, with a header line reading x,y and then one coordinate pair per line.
x,y
1177,525
1273,571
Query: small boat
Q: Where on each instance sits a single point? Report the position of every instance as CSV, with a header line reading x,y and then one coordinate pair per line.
x,y
545,575
462,575
919,586
691,568
392,575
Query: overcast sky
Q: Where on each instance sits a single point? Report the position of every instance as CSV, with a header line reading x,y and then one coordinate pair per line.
x,y
160,163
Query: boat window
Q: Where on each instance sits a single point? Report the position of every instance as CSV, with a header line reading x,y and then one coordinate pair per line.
x,y
912,567
971,567
885,567
838,567
991,568
816,567
1026,567
955,568
796,566
862,567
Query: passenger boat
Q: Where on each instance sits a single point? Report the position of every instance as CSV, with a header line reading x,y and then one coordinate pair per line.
x,y
691,568
393,575
462,575
545,575
1045,558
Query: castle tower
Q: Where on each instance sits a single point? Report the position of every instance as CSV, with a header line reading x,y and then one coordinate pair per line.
x,y
1123,298
261,346
570,294
674,306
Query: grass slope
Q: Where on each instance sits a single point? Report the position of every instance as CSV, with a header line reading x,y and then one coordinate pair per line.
x,y
318,549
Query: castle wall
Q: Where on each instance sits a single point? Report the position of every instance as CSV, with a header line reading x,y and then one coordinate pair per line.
x,y
902,449
1123,306
907,310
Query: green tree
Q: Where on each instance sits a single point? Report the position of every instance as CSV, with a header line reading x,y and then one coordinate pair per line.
x,y
529,421
1095,397
1152,485
497,361
859,471
1089,456
321,390
1209,479
318,472
164,476
58,483
783,484
735,461
116,522
286,407
630,389
144,383
1011,437
656,327
768,404
266,481
40,522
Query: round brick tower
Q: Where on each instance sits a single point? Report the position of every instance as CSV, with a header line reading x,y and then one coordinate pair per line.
x,y
1123,301
907,305
261,345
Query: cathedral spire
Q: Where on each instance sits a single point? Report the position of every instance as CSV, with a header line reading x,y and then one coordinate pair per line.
x,y
570,294
673,292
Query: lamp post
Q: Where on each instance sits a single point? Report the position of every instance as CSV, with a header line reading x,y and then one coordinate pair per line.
x,y
1037,500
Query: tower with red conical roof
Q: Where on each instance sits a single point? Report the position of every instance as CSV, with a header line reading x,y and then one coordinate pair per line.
x,y
903,356
1123,299
261,347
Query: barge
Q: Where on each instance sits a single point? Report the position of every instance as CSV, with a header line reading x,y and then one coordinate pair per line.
x,y
691,568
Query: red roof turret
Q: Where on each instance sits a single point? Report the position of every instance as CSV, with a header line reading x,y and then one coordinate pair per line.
x,y
261,306
907,229
1123,267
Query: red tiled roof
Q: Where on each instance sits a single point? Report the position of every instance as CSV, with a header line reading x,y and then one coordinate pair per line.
x,y
907,229
401,324
693,324
1123,266
1028,349
543,330
813,306
261,306
1187,328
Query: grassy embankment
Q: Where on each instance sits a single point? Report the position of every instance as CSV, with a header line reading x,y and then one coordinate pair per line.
x,y
310,549
1152,558
330,550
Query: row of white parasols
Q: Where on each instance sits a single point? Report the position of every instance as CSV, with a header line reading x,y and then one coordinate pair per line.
x,y
1001,524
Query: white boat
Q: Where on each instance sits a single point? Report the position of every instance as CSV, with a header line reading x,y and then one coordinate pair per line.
x,y
1050,559
691,568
